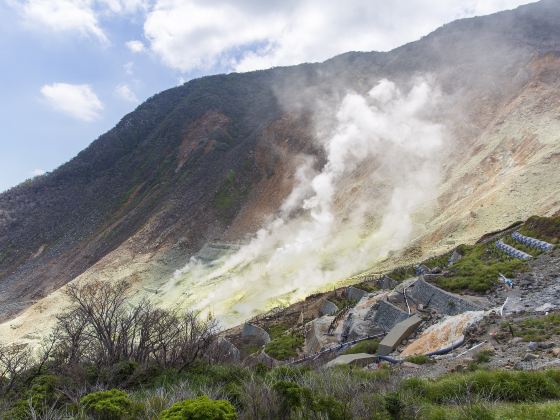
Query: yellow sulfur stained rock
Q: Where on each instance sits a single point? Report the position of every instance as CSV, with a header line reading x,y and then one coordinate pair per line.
x,y
442,334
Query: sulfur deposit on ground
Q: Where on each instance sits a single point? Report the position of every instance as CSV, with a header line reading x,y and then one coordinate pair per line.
x,y
443,334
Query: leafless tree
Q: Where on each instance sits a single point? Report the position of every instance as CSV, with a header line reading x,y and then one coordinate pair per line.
x,y
103,328
14,360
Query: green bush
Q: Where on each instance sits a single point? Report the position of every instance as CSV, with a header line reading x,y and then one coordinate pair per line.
x,y
402,273
292,396
366,346
534,411
479,268
331,407
202,408
41,394
277,330
539,328
285,346
484,356
120,372
438,261
394,405
495,385
288,373
110,405
544,228
419,359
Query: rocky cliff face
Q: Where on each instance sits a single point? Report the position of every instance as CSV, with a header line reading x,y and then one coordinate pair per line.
x,y
222,157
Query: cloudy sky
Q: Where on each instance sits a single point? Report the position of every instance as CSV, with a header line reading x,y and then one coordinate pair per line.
x,y
70,69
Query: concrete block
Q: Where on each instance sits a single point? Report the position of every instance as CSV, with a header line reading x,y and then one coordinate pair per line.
x,y
397,334
358,359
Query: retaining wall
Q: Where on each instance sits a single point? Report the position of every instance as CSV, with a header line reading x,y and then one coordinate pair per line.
x,y
353,293
511,251
444,302
388,315
386,283
532,242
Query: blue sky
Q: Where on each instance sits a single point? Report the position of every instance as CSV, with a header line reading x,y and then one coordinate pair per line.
x,y
71,69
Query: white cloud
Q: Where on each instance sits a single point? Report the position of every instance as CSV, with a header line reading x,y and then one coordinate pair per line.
x,y
124,6
78,101
135,46
248,34
80,16
63,16
124,92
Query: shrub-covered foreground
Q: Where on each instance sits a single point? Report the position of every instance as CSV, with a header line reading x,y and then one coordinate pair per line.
x,y
211,391
112,360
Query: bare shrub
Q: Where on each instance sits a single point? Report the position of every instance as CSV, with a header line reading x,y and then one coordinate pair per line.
x,y
259,400
102,329
15,359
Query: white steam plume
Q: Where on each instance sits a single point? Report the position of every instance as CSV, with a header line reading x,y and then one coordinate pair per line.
x,y
381,170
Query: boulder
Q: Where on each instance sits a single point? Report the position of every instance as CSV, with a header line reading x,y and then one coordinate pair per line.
x,y
358,321
328,308
529,357
454,258
317,336
532,346
250,330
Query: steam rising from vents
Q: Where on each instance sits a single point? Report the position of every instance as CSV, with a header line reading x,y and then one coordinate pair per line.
x,y
381,172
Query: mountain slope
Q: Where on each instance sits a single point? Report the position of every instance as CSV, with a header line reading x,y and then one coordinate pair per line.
x,y
217,158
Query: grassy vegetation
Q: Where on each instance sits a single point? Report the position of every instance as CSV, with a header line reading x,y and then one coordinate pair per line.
x,y
296,393
230,194
478,270
484,356
402,273
249,348
544,228
285,346
419,359
438,261
366,346
489,411
367,286
507,386
539,328
342,302
276,330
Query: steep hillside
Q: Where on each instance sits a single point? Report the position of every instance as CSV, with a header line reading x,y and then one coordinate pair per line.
x,y
465,141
